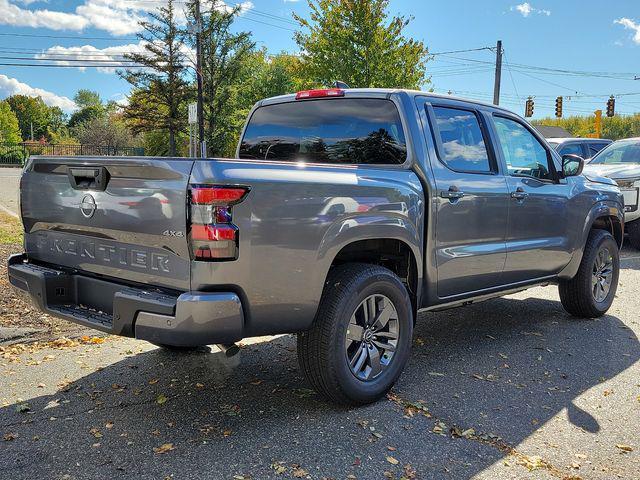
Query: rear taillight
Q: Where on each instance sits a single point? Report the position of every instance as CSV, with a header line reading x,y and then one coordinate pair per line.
x,y
213,235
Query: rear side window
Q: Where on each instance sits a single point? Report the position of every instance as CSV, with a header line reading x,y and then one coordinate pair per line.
x,y
461,144
339,131
571,149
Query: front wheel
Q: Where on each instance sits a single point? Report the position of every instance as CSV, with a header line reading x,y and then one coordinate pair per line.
x,y
591,292
361,337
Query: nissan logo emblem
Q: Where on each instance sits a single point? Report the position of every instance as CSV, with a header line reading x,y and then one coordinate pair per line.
x,y
88,206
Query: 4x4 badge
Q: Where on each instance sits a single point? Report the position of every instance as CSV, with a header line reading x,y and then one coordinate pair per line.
x,y
88,206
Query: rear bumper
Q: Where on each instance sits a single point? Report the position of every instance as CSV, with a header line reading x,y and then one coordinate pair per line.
x,y
188,319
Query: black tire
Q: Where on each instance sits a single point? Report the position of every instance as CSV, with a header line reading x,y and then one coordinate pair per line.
x,y
322,350
577,295
633,229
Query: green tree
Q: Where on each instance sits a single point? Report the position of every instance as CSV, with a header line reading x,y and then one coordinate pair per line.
x,y
356,41
85,114
87,98
161,89
108,130
9,128
31,111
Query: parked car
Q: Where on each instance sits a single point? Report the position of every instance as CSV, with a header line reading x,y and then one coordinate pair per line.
x,y
620,161
586,148
439,203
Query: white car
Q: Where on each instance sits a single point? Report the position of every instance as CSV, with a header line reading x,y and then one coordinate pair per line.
x,y
620,161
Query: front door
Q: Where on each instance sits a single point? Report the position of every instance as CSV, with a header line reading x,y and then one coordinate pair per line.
x,y
538,233
472,201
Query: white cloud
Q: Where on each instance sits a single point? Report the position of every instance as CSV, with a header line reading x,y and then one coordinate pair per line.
x,y
11,86
525,9
629,24
89,54
20,17
118,17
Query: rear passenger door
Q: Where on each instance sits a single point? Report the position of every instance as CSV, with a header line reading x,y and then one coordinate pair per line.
x,y
537,235
471,200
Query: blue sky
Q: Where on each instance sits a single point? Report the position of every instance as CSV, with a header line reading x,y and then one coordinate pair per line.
x,y
595,44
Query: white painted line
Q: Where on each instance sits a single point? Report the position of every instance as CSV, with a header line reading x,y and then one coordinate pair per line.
x,y
10,212
630,258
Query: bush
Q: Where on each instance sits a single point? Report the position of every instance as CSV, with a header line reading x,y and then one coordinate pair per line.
x,y
12,155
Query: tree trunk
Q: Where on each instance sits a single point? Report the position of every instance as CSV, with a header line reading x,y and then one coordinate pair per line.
x,y
172,143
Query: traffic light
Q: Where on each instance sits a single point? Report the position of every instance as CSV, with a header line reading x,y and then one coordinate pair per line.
x,y
528,108
559,107
611,106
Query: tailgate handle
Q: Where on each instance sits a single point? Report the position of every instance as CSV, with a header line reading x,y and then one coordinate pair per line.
x,y
88,178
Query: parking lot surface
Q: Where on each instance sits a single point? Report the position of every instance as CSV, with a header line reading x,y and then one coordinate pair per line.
x,y
509,388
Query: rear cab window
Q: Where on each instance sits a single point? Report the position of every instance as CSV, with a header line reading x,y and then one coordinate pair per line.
x,y
460,143
335,131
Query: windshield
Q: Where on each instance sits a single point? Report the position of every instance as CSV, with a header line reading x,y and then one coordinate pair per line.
x,y
619,152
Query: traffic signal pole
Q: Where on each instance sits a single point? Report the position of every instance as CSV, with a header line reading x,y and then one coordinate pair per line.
x,y
498,78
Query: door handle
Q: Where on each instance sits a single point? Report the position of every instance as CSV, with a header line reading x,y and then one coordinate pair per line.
x,y
519,194
452,194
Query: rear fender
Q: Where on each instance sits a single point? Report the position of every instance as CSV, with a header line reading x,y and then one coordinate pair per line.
x,y
369,226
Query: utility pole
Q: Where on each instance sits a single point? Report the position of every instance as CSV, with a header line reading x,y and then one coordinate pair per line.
x,y
203,143
496,85
31,123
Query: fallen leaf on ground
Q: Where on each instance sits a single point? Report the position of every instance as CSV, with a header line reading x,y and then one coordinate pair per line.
x,y
7,437
22,407
161,399
164,448
392,460
52,404
299,472
624,448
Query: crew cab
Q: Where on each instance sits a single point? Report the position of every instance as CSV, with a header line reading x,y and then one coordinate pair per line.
x,y
344,214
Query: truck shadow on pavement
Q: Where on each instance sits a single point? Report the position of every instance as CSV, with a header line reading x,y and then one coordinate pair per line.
x,y
503,368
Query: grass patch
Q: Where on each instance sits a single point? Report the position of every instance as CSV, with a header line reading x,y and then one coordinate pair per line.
x,y
10,230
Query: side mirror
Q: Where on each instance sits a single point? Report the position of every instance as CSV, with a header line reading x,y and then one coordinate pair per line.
x,y
572,165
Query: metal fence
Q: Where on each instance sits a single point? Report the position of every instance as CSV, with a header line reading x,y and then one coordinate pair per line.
x,y
17,153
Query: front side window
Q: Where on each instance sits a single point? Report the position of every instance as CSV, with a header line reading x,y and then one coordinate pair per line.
x,y
619,152
523,153
339,131
461,146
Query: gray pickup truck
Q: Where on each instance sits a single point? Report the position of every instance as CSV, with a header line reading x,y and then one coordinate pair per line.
x,y
344,214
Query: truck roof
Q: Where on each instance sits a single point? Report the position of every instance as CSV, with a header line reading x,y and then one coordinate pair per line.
x,y
383,92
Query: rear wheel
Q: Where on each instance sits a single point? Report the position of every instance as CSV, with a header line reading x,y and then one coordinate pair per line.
x,y
633,229
591,292
361,337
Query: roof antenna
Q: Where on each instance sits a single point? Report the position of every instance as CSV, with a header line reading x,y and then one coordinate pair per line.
x,y
339,84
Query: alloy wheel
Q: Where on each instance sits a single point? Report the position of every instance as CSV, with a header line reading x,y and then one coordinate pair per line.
x,y
372,337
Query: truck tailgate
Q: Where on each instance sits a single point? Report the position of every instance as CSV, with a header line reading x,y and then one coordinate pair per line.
x,y
119,217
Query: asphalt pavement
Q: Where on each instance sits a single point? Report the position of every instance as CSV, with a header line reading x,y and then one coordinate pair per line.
x,y
9,190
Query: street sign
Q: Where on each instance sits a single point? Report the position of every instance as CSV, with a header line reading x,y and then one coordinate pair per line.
x,y
193,113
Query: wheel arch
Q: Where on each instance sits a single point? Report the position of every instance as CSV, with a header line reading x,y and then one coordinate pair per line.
x,y
392,253
606,215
